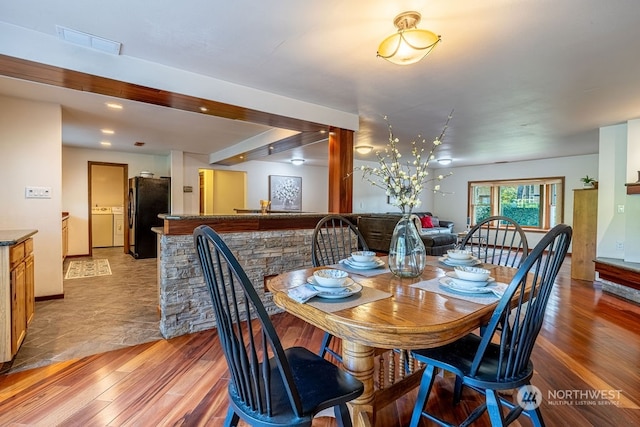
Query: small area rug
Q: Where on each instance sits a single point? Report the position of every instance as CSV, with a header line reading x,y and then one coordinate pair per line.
x,y
92,268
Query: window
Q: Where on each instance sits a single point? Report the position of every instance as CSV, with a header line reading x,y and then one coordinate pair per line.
x,y
534,203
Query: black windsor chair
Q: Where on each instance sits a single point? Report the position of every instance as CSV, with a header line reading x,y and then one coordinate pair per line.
x,y
497,240
500,358
334,239
268,386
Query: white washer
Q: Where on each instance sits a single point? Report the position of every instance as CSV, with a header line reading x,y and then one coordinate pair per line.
x,y
101,227
118,225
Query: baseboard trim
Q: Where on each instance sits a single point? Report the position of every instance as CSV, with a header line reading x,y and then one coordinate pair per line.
x,y
50,297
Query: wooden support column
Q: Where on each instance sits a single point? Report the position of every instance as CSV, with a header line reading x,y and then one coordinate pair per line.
x,y
340,171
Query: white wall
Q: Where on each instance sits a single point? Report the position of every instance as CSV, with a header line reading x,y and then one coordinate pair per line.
x,y
75,185
30,147
315,182
611,191
369,198
632,206
454,206
618,213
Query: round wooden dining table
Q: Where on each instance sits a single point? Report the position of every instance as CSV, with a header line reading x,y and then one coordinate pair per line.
x,y
397,316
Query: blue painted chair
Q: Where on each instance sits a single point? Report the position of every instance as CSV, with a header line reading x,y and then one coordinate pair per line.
x,y
500,358
286,389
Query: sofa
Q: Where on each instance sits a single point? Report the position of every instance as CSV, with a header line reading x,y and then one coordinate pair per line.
x,y
377,229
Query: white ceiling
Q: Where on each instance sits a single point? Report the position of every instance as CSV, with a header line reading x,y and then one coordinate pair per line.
x,y
528,79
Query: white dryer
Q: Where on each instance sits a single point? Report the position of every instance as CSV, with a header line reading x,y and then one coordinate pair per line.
x,y
118,225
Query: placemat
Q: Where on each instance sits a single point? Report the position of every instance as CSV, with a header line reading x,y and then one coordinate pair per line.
x,y
332,305
433,285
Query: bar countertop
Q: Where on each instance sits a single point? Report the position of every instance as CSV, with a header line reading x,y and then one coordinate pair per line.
x,y
12,237
180,224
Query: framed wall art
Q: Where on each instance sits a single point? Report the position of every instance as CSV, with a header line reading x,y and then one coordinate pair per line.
x,y
285,193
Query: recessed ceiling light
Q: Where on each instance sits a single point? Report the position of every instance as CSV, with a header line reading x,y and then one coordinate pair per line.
x,y
105,143
114,105
107,131
445,161
297,162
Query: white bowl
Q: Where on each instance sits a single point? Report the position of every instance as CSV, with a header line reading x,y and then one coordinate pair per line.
x,y
458,254
146,174
363,256
475,274
330,277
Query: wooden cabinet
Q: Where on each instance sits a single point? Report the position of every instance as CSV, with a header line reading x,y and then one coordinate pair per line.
x,y
585,221
18,307
17,295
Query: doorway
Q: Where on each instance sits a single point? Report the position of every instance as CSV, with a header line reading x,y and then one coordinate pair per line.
x,y
107,197
221,191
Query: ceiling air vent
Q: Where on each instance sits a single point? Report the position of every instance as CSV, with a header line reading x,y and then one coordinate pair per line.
x,y
88,40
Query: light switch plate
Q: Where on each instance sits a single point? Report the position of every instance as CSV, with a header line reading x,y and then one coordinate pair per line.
x,y
37,192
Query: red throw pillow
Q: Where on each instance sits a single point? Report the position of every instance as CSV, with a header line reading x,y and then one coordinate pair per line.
x,y
426,222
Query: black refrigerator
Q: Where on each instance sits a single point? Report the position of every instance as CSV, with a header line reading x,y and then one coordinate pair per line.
x,y
147,198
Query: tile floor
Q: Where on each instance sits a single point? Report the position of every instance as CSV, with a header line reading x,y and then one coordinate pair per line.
x,y
97,314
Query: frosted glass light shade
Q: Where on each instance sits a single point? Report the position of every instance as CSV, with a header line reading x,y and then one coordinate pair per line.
x,y
408,46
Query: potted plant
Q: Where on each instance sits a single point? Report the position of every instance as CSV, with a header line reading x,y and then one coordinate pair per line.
x,y
589,182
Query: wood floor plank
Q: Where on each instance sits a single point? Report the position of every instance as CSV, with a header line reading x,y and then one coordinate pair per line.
x,y
590,341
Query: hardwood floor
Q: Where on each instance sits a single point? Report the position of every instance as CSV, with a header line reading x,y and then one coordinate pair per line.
x,y
586,361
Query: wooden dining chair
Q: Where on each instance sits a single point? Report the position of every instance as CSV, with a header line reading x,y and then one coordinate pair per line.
x,y
500,358
268,385
334,239
497,240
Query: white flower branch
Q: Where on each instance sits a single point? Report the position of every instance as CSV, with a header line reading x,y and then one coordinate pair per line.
x,y
405,182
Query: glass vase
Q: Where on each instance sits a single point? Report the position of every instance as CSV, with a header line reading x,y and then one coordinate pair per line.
x,y
407,255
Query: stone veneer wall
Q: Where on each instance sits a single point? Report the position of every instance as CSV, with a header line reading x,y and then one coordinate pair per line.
x,y
185,303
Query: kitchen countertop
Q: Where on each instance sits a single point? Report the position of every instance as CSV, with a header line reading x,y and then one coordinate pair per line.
x,y
12,237
244,215
180,224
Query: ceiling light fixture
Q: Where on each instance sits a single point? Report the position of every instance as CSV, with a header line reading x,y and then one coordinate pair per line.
x,y
107,131
364,149
105,143
445,162
409,45
297,162
113,105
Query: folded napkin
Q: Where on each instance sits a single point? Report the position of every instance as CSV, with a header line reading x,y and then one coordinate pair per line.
x,y
303,293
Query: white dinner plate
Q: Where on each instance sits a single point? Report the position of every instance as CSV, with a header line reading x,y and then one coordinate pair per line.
x,y
376,263
469,283
350,288
448,283
454,262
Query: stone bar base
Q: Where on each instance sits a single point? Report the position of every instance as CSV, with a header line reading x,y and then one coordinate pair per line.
x,y
184,300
